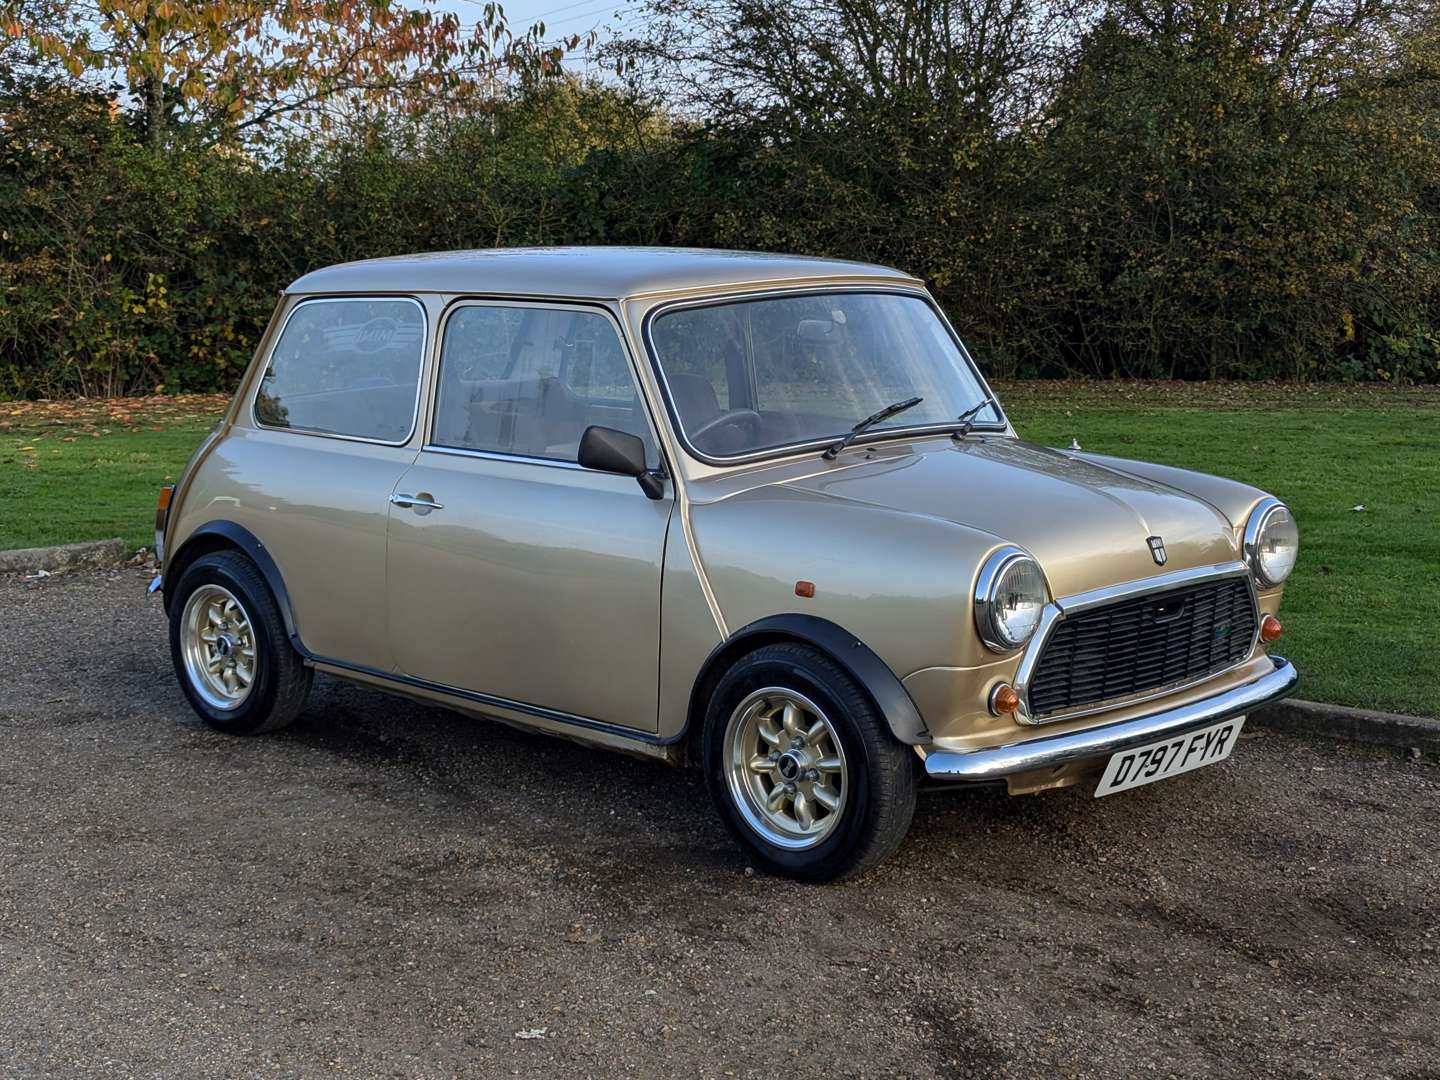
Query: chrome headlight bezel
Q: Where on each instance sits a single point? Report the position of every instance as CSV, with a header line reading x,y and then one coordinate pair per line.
x,y
1262,517
994,572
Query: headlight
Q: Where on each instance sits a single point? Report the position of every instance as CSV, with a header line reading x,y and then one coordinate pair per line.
x,y
1272,542
1009,597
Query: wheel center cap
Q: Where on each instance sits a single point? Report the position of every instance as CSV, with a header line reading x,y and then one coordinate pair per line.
x,y
790,764
224,645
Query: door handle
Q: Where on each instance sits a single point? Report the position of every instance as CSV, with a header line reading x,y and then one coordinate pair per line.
x,y
423,502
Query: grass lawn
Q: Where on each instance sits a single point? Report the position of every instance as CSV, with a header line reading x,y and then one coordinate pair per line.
x,y
90,470
1361,614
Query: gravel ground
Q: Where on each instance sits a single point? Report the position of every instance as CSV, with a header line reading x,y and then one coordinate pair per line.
x,y
391,890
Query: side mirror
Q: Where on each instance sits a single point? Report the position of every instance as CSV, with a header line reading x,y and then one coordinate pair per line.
x,y
607,450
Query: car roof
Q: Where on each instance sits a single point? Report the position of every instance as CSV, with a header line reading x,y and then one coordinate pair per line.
x,y
609,273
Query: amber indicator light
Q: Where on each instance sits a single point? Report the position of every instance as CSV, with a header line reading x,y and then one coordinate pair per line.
x,y
805,589
1270,628
1004,699
162,507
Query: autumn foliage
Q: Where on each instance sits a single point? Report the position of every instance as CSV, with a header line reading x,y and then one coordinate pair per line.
x,y
1209,189
224,66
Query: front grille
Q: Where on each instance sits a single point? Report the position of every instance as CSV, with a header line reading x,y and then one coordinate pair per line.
x,y
1140,645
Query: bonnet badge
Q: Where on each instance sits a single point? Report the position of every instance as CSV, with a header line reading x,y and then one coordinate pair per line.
x,y
1157,549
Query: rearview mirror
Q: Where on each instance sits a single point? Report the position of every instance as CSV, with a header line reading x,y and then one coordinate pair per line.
x,y
607,450
818,331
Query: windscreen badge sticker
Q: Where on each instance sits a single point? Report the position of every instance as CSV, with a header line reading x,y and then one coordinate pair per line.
x,y
375,335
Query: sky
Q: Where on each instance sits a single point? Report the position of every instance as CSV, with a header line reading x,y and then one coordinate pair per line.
x,y
561,17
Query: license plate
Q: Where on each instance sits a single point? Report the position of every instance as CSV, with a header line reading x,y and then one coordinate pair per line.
x,y
1141,765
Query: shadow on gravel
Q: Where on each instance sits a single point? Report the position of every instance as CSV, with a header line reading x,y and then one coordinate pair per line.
x,y
564,793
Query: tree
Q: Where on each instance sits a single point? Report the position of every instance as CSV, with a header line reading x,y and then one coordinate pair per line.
x,y
804,64
878,129
226,66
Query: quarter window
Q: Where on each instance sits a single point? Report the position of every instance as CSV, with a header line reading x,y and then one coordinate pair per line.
x,y
529,380
346,367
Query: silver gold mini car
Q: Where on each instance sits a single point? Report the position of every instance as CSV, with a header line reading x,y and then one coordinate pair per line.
x,y
756,512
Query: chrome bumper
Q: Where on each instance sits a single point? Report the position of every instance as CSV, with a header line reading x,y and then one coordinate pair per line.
x,y
1051,751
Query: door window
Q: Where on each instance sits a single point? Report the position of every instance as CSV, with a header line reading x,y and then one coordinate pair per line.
x,y
346,367
529,380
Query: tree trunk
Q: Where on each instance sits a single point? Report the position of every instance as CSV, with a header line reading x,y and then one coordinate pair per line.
x,y
154,83
155,112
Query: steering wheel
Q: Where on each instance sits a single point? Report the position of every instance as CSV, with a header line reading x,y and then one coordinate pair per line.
x,y
730,417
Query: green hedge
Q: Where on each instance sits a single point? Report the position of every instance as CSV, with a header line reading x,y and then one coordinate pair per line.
x,y
1169,220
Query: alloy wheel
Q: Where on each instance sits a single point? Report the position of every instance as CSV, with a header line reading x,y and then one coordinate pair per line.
x,y
218,644
785,767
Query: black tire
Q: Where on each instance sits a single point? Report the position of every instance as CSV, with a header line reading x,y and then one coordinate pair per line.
x,y
881,772
281,681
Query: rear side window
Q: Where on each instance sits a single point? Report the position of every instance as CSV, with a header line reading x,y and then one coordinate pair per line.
x,y
346,367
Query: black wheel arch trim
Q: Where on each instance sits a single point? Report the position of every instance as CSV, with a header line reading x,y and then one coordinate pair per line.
x,y
858,659
237,536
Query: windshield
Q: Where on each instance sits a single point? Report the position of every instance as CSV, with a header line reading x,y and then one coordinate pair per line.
x,y
757,375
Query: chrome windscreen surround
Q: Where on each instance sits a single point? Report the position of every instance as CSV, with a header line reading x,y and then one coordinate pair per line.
x,y
900,288
1058,609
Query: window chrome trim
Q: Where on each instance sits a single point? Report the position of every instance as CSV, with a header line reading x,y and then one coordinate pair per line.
x,y
1254,529
991,571
419,370
789,449
499,455
598,307
1057,610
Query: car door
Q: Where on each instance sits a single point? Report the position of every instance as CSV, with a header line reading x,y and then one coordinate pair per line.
x,y
511,571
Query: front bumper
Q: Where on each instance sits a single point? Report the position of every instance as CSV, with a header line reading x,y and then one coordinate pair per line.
x,y
1054,751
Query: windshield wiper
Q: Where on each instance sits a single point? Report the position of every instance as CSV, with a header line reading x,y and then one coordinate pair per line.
x,y
966,420
869,422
